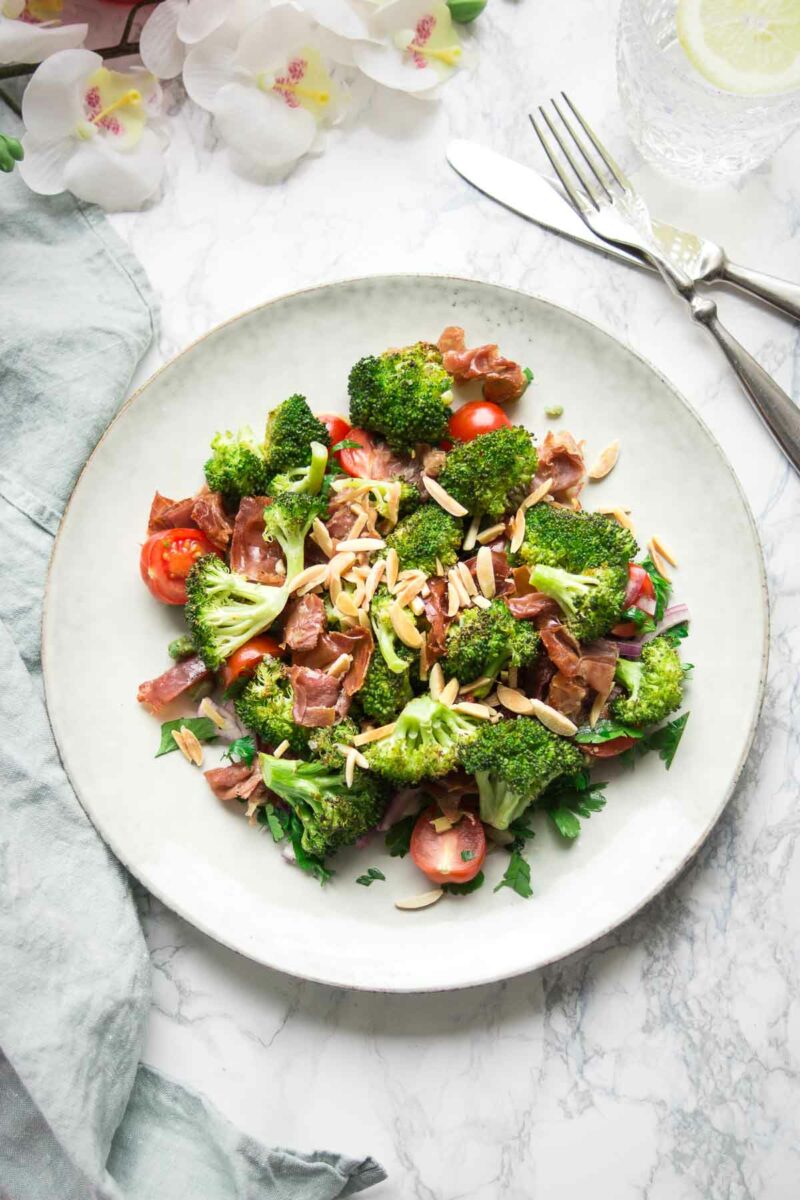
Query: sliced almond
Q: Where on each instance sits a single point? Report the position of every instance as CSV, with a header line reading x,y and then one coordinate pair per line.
x,y
664,551
454,579
339,564
346,604
620,515
439,567
321,536
481,602
423,900
349,769
442,824
373,579
453,602
492,533
359,594
598,705
517,531
472,534
449,692
423,658
334,588
470,586
374,735
436,681
208,708
310,578
363,618
392,568
484,569
606,461
358,526
535,496
443,498
469,708
658,561
404,627
491,700
410,589
417,606
552,719
188,745
514,700
480,682
340,666
280,749
360,545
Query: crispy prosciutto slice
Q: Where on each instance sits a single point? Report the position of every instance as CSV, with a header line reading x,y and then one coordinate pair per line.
x,y
170,514
305,622
316,694
503,380
535,606
357,644
503,578
436,616
209,515
561,461
250,555
567,695
157,693
236,782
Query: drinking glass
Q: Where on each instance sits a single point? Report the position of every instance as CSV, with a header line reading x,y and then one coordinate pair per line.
x,y
682,124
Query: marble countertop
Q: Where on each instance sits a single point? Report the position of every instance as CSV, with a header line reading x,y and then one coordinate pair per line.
x,y
663,1061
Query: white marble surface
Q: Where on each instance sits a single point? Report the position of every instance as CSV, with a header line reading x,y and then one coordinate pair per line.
x,y
663,1062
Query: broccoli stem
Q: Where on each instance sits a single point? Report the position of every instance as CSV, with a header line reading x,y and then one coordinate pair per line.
x,y
385,636
561,585
629,675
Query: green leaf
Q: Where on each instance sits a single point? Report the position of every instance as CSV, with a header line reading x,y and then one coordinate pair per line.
x,y
665,740
372,874
465,11
346,444
565,821
202,728
662,587
570,797
272,818
521,833
528,373
677,633
398,838
517,876
243,749
464,889
643,621
605,731
467,855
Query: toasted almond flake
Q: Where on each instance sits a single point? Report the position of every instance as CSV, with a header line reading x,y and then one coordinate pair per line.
x,y
472,534
517,531
361,545
280,750
280,567
620,515
374,735
449,692
512,677
491,700
423,658
484,569
535,496
514,700
208,708
552,719
177,737
417,607
469,708
363,619
310,578
481,681
597,707
426,591
454,580
481,602
392,568
423,900
606,461
470,586
443,498
658,561
356,755
340,666
346,604
189,745
664,551
253,806
349,769
410,589
439,567
452,600
339,564
358,526
321,536
393,503
334,588
442,824
404,627
373,579
492,533
357,508
436,681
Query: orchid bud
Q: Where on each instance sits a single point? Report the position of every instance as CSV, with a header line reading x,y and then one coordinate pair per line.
x,y
465,11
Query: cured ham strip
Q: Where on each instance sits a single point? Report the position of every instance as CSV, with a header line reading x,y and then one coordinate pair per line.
x,y
534,606
567,695
209,515
358,644
503,379
156,693
305,622
503,577
250,555
598,664
170,514
561,461
236,782
435,606
315,697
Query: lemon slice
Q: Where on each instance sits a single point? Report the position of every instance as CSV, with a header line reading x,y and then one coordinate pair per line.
x,y
749,47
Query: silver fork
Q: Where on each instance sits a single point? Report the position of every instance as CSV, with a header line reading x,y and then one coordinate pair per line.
x,y
604,198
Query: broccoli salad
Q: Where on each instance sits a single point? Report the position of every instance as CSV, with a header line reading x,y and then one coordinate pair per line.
x,y
406,627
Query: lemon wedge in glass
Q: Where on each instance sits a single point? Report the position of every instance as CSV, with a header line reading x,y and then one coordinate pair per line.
x,y
749,47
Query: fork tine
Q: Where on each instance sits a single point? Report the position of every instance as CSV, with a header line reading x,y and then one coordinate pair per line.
x,y
579,202
568,156
598,145
585,155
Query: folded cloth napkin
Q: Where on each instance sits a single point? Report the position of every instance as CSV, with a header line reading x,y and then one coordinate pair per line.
x,y
79,1118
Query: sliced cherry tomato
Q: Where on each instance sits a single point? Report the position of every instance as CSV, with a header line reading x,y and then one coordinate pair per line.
x,y
166,559
478,416
454,856
247,659
625,629
610,748
337,426
636,577
359,463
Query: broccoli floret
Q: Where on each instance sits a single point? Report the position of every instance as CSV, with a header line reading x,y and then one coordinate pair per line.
x,y
303,479
384,691
224,610
291,428
485,640
593,602
424,744
289,519
574,541
324,743
379,496
484,474
513,762
402,394
654,684
331,813
236,467
427,535
392,650
265,706
181,647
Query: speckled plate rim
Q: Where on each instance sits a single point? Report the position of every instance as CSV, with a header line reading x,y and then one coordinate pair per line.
x,y
661,884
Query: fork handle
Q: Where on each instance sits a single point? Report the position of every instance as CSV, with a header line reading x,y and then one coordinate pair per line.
x,y
779,413
778,292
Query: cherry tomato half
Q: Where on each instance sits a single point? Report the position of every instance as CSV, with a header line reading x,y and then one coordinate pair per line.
x,y
625,629
478,416
454,856
247,659
337,426
166,559
359,463
610,748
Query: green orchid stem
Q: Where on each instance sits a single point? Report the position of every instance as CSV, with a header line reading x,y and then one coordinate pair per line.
x,y
11,102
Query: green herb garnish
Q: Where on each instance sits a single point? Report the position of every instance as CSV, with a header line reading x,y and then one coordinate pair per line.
x,y
665,740
464,889
398,838
517,876
202,728
243,749
372,874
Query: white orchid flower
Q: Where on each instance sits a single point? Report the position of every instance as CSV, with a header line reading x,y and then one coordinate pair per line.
x,y
348,18
24,39
175,26
90,131
419,46
271,92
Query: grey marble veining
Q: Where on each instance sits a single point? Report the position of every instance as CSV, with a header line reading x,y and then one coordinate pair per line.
x,y
662,1063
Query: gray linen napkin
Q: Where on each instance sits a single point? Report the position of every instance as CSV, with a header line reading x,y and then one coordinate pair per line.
x,y
79,1118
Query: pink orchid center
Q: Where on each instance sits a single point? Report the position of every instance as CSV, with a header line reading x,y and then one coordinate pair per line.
x,y
302,83
105,116
416,43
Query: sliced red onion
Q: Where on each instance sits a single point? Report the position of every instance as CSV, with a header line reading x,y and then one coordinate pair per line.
x,y
364,840
629,649
673,616
402,803
647,604
231,730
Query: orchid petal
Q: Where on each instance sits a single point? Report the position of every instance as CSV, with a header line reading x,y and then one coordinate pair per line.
x,y
339,16
208,68
110,92
21,42
261,127
12,8
159,45
43,166
116,180
200,18
52,105
386,65
266,44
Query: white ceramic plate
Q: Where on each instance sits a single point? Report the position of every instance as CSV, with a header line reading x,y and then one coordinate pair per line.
x,y
103,634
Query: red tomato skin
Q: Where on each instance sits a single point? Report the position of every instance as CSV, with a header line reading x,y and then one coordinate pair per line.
x,y
438,855
247,659
337,426
474,418
636,578
625,629
166,559
611,748
357,463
